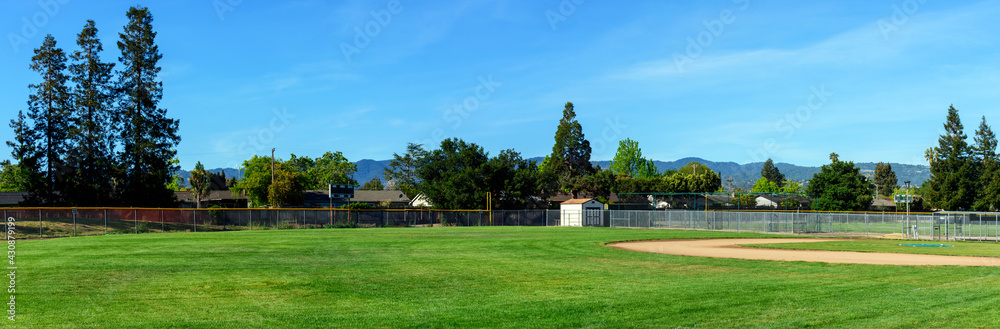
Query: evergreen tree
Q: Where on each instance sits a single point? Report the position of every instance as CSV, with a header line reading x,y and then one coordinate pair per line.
x,y
771,173
49,110
952,185
90,156
885,178
988,196
403,169
570,159
147,135
986,143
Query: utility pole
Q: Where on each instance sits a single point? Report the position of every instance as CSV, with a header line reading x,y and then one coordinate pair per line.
x,y
730,185
272,165
694,168
908,203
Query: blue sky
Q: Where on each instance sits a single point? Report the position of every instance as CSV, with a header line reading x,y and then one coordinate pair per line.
x,y
735,80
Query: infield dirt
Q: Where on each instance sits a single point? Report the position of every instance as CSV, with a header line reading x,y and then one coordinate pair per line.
x,y
732,248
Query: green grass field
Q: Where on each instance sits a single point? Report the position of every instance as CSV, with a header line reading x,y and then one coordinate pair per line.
x,y
513,277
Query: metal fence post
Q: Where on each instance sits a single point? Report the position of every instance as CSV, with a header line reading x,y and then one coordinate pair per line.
x,y
135,219
74,222
105,222
40,223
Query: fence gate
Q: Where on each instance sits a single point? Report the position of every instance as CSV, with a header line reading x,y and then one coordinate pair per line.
x,y
592,217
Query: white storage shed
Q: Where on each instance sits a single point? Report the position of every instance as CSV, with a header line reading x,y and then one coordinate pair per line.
x,y
581,212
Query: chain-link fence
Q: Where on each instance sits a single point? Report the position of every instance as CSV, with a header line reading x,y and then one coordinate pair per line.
x,y
56,222
59,222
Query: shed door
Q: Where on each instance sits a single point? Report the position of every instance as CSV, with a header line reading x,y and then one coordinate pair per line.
x,y
592,217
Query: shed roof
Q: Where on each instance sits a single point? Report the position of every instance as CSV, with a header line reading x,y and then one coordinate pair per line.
x,y
577,201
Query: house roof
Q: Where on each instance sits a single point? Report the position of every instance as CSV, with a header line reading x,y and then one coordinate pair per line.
x,y
12,198
321,196
563,196
883,203
380,195
213,195
576,201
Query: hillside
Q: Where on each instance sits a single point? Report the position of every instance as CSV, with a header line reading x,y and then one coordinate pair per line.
x,y
744,175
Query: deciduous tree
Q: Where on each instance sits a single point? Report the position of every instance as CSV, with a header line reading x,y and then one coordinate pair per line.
x,y
840,186
453,176
12,177
199,183
287,189
374,184
629,161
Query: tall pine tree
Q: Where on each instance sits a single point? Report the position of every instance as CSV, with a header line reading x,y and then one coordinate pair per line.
x,y
952,181
885,178
772,174
147,135
49,111
988,196
90,155
570,159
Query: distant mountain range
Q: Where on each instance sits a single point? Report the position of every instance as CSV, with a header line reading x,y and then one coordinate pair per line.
x,y
743,175
746,174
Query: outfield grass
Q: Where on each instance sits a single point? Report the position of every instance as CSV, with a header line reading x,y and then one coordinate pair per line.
x,y
516,277
983,249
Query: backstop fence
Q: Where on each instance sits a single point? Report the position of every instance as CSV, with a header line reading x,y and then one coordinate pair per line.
x,y
928,226
57,222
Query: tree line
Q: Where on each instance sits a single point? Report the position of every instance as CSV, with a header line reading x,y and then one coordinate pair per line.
x,y
94,135
458,174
